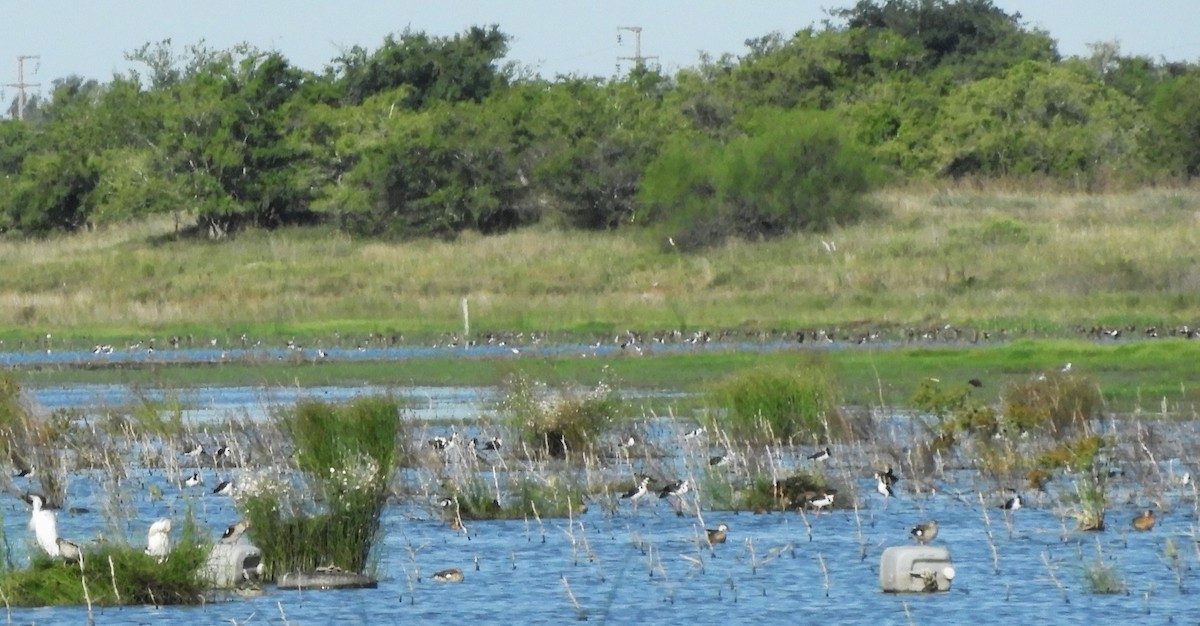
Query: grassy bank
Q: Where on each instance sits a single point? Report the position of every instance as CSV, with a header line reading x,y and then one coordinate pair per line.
x,y
1029,263
1151,375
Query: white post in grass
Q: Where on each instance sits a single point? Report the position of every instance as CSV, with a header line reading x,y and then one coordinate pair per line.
x,y
466,324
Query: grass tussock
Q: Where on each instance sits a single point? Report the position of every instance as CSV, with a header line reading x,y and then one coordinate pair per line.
x,y
798,404
330,514
563,421
112,575
1056,403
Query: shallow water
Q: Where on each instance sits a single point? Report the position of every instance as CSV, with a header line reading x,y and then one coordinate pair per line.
x,y
648,565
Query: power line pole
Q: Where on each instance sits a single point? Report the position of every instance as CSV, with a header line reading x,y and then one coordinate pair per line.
x,y
21,84
639,61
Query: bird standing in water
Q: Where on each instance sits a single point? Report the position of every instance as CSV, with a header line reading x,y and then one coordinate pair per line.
x,y
718,534
44,524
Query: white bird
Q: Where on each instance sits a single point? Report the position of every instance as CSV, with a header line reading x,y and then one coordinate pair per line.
x,y
822,502
196,451
158,541
44,524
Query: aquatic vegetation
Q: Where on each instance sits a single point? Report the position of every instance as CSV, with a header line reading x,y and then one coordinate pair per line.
x,y
563,421
329,514
781,404
1058,403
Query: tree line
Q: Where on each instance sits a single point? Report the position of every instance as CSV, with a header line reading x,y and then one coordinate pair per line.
x,y
430,136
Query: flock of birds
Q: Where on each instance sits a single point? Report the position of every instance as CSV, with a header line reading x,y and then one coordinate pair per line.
x,y
43,518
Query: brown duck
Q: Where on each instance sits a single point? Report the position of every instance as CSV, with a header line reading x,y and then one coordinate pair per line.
x,y
1145,521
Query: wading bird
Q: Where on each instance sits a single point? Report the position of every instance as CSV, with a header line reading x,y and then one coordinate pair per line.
x,y
718,534
820,455
225,488
69,551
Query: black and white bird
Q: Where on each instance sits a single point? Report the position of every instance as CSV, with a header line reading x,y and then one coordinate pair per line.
x,y
820,455
223,452
677,489
883,485
639,491
224,488
21,469
198,450
924,533
721,461
1013,503
695,433
158,540
819,503
493,444
193,480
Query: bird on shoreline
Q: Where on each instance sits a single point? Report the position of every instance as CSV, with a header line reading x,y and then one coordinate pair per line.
x,y
43,523
158,540
69,551
198,450
1144,521
924,533
677,489
718,534
820,455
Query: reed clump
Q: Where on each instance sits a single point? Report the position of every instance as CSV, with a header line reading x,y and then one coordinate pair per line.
x,y
790,404
1056,403
329,514
564,421
524,497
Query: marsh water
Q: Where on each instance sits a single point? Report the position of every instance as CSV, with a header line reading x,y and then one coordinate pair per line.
x,y
621,564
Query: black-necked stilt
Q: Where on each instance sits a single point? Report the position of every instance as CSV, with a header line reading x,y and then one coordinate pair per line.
x,y
924,533
223,452
1144,521
224,488
626,443
158,540
820,455
639,491
890,476
721,461
23,472
884,486
820,503
694,433
718,534
677,489
235,531
193,480
43,523
1013,503
452,575
198,450
493,444
69,551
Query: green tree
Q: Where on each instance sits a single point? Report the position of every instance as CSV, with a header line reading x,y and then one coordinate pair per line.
x,y
1036,119
462,68
793,170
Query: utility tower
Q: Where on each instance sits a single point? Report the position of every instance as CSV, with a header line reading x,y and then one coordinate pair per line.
x,y
21,84
637,58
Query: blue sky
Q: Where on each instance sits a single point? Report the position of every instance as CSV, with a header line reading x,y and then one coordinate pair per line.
x,y
89,38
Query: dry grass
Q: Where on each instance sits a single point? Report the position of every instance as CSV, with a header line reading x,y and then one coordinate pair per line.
x,y
963,257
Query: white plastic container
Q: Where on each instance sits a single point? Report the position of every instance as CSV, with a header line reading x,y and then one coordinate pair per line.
x,y
915,569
